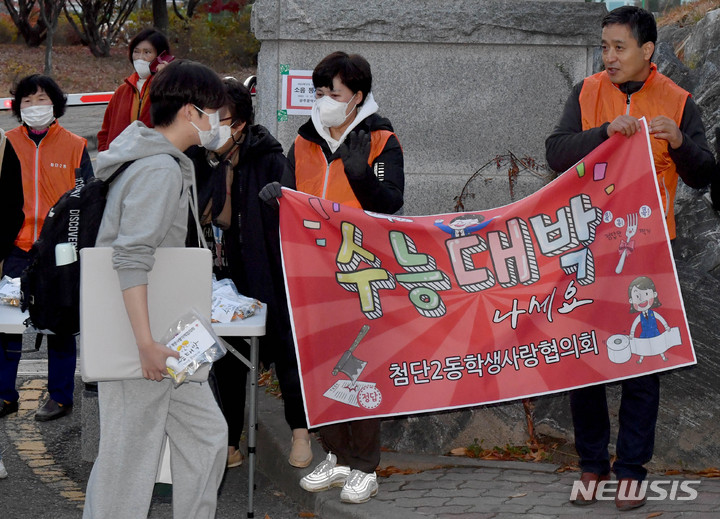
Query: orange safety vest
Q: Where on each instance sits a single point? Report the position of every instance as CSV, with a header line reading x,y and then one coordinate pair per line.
x,y
602,101
314,176
48,171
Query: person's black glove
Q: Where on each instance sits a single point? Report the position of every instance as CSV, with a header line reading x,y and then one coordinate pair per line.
x,y
354,153
270,193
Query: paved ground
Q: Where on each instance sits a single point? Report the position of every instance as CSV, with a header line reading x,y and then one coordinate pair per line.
x,y
460,488
48,477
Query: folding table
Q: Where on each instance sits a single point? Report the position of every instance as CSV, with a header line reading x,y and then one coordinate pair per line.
x,y
253,327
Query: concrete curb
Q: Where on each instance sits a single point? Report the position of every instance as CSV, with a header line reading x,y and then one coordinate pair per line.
x,y
273,449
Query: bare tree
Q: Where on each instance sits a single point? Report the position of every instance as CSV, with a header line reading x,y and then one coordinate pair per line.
x,y
101,21
191,5
49,13
21,12
160,15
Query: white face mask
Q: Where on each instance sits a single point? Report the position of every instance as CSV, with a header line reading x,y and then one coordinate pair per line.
x,y
331,112
38,116
142,67
214,138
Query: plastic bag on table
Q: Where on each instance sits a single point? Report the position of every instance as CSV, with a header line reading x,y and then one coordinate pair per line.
x,y
229,304
10,291
193,337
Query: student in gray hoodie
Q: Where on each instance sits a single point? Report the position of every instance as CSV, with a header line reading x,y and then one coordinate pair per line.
x,y
147,208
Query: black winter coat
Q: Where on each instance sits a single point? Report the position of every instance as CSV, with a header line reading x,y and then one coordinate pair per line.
x,y
252,244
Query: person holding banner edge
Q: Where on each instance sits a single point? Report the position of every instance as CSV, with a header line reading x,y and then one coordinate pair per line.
x,y
600,106
348,154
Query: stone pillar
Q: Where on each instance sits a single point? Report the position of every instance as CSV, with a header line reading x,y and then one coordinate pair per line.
x,y
462,81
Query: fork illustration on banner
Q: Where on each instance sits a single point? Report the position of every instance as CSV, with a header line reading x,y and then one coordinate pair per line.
x,y
627,245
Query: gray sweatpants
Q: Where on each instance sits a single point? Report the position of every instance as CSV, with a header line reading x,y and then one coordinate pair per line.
x,y
135,415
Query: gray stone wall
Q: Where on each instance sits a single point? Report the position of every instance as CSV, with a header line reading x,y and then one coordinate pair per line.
x,y
461,81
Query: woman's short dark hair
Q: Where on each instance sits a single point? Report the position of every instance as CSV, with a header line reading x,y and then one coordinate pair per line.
x,y
153,37
353,70
239,101
183,82
29,85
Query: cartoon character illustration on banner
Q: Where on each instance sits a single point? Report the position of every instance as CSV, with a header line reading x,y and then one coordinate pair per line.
x,y
463,224
352,392
643,298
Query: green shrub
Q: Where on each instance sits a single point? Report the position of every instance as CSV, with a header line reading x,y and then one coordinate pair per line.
x,y
217,40
246,47
65,34
8,31
138,20
14,69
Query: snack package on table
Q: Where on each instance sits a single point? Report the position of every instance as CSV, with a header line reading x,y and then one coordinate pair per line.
x,y
229,304
10,291
197,343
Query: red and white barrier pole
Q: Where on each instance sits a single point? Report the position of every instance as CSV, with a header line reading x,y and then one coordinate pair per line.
x,y
103,98
91,98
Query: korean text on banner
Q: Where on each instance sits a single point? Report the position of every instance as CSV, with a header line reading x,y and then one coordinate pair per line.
x,y
572,286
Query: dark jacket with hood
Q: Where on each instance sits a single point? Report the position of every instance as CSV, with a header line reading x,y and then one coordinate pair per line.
x,y
252,245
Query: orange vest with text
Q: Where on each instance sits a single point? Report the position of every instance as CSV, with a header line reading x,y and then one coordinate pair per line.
x,y
48,171
602,101
314,176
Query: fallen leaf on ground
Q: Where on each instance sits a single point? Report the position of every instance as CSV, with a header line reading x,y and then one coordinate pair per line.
x,y
568,468
710,473
459,451
390,470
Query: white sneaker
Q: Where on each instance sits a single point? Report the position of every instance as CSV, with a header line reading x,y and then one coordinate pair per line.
x,y
3,472
359,487
326,475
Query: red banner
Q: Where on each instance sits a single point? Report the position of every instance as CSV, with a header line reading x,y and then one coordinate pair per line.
x,y
572,286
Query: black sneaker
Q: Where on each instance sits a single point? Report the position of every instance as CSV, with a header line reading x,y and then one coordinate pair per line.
x,y
52,410
8,407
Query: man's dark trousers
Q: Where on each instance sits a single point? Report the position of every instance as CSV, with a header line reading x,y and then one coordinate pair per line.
x,y
636,436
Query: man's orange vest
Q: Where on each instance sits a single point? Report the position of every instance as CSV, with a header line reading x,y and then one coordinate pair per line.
x,y
48,171
602,101
314,176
